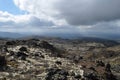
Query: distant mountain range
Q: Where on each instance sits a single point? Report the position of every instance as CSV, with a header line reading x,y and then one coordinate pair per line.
x,y
62,35
10,35
106,42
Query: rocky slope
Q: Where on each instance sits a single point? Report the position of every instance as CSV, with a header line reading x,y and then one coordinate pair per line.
x,y
37,59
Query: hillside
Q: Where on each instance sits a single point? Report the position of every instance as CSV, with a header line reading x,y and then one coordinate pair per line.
x,y
59,59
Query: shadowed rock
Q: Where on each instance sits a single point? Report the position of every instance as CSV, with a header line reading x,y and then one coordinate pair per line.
x,y
23,49
55,51
58,62
21,55
90,76
108,67
56,74
3,62
10,43
46,45
100,63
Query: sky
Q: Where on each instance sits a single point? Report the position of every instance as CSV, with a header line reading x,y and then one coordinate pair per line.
x,y
81,17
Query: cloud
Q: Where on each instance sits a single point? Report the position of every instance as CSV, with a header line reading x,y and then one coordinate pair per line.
x,y
43,9
31,24
7,23
36,22
87,17
75,12
22,20
87,12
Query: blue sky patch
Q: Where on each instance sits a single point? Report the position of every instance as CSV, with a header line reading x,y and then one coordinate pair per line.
x,y
10,7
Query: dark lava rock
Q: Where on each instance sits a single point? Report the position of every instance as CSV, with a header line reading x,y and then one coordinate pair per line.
x,y
21,42
46,45
32,43
42,56
109,76
38,54
23,49
77,58
92,68
56,74
10,43
55,51
77,77
4,49
109,54
21,55
91,76
108,67
58,62
100,63
3,62
12,53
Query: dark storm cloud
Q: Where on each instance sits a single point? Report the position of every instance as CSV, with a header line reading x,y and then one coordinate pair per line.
x,y
87,12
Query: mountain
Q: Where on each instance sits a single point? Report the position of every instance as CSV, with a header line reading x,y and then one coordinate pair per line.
x,y
106,42
62,35
10,35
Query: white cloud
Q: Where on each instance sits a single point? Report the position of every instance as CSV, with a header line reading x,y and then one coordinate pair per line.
x,y
43,9
29,23
17,23
38,7
75,12
63,16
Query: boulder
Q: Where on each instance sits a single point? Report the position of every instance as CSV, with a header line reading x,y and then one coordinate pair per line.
x,y
10,43
109,76
77,77
90,75
56,74
3,62
108,67
11,53
21,55
46,45
38,54
100,63
23,49
4,49
58,62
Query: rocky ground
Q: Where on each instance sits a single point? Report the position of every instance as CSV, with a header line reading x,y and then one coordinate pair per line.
x,y
56,59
